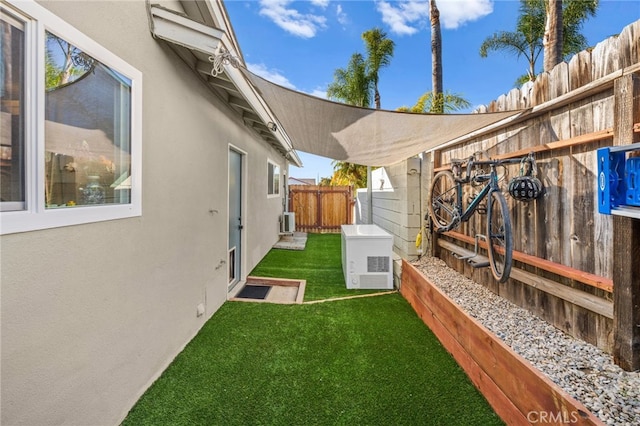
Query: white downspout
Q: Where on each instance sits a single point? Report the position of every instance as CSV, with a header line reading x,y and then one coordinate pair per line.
x,y
369,196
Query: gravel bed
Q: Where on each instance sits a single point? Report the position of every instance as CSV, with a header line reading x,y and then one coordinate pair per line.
x,y
581,369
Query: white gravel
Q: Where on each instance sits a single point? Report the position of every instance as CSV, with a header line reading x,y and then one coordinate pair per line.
x,y
581,369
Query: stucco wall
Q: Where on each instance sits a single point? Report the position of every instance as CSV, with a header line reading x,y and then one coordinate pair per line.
x,y
92,314
396,204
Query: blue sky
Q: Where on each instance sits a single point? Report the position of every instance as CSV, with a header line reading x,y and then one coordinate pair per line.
x,y
299,44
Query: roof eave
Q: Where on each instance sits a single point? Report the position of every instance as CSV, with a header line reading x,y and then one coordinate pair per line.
x,y
198,44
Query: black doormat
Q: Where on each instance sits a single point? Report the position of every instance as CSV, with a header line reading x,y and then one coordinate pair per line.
x,y
254,292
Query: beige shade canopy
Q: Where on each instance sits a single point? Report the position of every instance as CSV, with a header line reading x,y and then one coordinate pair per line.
x,y
363,135
79,142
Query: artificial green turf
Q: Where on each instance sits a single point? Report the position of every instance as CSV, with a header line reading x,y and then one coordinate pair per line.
x,y
368,361
320,263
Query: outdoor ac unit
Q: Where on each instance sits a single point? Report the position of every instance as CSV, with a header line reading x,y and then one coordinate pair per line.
x,y
288,223
366,257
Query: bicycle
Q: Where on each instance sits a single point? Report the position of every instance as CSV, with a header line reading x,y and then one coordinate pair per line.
x,y
446,208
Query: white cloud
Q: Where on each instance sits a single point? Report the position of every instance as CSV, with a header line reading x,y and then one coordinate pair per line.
x,y
407,17
272,75
454,13
319,93
342,17
275,76
320,3
404,17
291,20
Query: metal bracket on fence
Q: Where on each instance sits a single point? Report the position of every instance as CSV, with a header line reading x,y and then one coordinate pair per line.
x,y
475,254
429,223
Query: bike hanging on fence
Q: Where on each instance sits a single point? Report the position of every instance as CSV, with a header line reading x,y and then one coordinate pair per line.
x,y
447,212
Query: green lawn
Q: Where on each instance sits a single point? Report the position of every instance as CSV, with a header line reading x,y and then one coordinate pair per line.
x,y
366,361
319,263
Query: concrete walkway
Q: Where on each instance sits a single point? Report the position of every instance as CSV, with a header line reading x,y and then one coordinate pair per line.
x,y
295,241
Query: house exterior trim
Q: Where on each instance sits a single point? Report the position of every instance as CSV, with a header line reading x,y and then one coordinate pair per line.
x,y
179,30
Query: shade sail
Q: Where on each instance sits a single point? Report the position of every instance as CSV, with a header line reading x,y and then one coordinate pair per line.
x,y
363,135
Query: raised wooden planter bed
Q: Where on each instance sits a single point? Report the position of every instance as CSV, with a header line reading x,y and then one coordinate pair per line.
x,y
518,392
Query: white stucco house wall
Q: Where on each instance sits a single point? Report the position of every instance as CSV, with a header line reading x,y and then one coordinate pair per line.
x,y
396,201
135,194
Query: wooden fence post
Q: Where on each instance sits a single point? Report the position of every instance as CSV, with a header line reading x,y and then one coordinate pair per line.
x,y
319,211
350,203
437,162
426,175
626,240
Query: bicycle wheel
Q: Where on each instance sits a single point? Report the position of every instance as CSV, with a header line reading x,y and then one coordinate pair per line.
x,y
442,205
499,237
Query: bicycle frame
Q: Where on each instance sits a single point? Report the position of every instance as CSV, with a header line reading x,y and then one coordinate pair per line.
x,y
446,209
492,185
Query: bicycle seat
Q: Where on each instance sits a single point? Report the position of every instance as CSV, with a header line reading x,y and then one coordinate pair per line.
x,y
481,178
458,160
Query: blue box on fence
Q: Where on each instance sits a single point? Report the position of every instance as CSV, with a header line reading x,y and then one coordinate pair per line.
x,y
611,182
619,180
633,181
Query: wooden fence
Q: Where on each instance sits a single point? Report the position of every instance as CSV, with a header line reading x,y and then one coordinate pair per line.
x,y
573,265
321,208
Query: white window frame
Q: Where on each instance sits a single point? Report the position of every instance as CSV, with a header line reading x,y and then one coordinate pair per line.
x,y
35,216
274,191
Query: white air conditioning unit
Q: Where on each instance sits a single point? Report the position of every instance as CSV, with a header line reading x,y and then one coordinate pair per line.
x,y
367,257
288,223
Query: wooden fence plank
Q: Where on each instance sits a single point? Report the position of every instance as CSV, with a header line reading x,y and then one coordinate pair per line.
x,y
565,143
580,70
629,44
626,244
605,57
571,116
576,297
593,280
321,208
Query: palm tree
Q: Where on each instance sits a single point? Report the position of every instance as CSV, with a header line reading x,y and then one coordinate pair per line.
x,y
349,174
325,181
437,101
379,54
527,39
448,103
574,13
552,39
437,104
352,85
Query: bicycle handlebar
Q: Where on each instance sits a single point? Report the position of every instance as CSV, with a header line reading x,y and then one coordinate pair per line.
x,y
471,162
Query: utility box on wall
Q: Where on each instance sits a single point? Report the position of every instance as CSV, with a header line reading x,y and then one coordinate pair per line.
x,y
367,257
619,180
288,223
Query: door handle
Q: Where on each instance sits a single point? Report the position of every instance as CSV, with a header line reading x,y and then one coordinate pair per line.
x,y
240,227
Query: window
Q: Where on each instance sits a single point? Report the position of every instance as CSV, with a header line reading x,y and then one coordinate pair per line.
x,y
273,179
70,151
12,191
87,129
